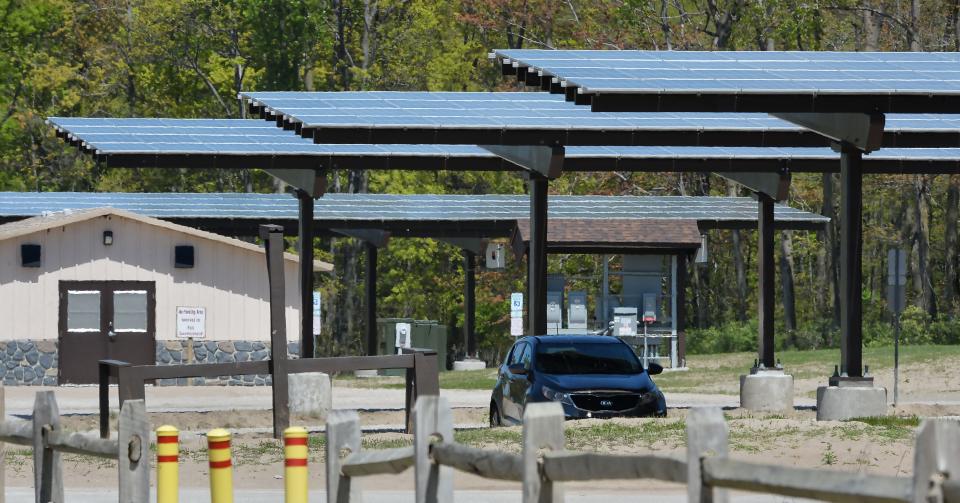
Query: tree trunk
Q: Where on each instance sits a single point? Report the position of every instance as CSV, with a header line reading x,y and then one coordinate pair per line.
x,y
786,280
741,290
872,24
832,246
952,251
921,227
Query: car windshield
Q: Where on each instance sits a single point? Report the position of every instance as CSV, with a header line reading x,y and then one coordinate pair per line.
x,y
586,358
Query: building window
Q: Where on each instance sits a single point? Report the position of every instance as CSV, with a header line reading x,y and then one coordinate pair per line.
x,y
130,310
83,310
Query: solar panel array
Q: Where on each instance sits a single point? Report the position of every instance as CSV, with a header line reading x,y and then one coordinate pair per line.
x,y
379,208
748,73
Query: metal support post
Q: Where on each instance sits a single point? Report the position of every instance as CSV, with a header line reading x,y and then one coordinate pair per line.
x,y
765,261
537,256
306,273
370,287
469,302
851,300
273,234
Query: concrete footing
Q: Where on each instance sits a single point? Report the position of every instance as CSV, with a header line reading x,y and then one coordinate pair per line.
x,y
469,364
310,394
837,403
766,390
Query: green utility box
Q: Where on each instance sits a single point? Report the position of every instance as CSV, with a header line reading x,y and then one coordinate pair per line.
x,y
426,334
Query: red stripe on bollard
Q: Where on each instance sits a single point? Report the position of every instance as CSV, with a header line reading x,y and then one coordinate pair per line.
x,y
221,464
296,462
168,459
222,444
167,439
295,441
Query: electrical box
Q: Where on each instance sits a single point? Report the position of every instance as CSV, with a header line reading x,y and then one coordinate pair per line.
x,y
403,332
649,308
496,258
625,321
577,310
554,311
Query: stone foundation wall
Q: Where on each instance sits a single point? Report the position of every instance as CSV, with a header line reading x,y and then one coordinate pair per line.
x,y
27,362
176,352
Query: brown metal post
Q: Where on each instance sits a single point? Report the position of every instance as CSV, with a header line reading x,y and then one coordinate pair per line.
x,y
104,384
681,313
470,302
273,235
765,279
370,287
851,300
306,273
537,256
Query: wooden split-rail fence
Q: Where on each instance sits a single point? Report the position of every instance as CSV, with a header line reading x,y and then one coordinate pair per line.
x,y
543,463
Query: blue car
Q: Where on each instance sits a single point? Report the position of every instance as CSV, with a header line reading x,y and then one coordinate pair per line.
x,y
590,375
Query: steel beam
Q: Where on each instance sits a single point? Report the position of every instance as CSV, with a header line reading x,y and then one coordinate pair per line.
x,y
547,161
472,245
776,185
861,130
470,302
851,300
537,256
376,237
305,244
370,286
765,279
308,180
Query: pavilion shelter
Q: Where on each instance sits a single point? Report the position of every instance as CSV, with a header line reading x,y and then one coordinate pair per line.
x,y
539,135
845,97
464,220
246,144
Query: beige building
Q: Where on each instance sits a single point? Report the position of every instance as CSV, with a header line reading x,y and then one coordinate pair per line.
x,y
77,287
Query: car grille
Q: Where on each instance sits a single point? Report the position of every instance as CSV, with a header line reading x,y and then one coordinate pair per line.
x,y
599,402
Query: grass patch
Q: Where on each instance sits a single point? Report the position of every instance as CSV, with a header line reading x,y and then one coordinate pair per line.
x,y
607,434
890,427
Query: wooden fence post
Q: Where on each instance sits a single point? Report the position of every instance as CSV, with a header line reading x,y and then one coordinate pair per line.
x,y
542,429
47,475
432,418
133,456
343,432
706,436
936,457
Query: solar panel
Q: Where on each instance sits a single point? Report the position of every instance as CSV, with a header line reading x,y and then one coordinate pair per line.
x,y
334,210
745,81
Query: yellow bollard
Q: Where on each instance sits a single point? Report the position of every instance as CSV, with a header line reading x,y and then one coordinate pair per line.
x,y
295,471
168,453
221,468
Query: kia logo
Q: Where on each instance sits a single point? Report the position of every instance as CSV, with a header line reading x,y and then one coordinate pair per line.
x,y
606,403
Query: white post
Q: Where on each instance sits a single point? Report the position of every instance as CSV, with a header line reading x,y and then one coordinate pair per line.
x,y
674,358
706,436
47,474
542,429
133,458
936,457
343,432
432,419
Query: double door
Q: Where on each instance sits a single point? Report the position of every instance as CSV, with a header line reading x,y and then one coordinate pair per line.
x,y
105,320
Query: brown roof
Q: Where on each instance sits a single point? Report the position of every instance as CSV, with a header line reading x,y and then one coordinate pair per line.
x,y
612,235
64,218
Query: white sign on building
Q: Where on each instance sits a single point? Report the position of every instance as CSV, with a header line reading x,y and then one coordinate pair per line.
x,y
191,322
316,313
516,313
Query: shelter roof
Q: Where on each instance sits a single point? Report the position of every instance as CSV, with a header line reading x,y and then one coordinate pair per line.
x,y
581,235
745,81
390,117
239,143
64,217
405,214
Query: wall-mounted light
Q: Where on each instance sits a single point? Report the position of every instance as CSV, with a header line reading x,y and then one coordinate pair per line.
x,y
702,252
107,238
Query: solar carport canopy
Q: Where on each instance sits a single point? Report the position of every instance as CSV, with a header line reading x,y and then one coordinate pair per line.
x,y
239,143
745,81
505,118
403,215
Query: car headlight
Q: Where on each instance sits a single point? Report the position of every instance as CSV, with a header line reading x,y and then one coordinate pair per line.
x,y
556,396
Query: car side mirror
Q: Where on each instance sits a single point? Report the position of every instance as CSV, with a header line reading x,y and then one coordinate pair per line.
x,y
654,368
517,369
